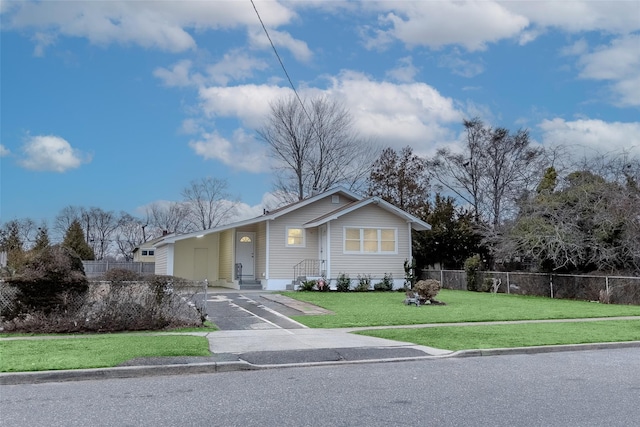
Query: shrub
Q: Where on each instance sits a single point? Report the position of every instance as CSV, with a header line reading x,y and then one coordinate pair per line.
x,y
427,289
307,285
322,285
343,283
471,266
364,283
51,279
121,275
386,284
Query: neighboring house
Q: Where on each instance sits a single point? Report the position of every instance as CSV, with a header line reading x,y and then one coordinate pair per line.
x,y
325,235
146,251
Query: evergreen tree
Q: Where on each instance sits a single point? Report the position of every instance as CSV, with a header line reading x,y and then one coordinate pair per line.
x,y
11,243
74,239
42,239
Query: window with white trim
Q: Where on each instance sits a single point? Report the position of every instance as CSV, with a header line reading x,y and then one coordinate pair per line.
x,y
295,237
370,240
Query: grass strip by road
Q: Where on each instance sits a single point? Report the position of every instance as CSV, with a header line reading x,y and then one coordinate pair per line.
x,y
98,351
357,309
519,335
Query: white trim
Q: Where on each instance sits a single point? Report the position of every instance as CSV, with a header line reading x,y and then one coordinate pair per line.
x,y
267,249
379,240
410,243
286,236
328,249
170,259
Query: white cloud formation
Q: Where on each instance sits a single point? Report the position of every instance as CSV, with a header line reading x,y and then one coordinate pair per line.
x,y
404,71
471,24
235,65
4,151
151,24
386,113
618,62
575,16
281,39
178,76
591,134
242,152
51,153
460,66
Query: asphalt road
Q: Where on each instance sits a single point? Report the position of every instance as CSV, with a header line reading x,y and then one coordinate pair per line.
x,y
584,388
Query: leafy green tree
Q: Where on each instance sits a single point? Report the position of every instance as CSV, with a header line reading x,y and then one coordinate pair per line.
x,y
74,239
452,238
400,178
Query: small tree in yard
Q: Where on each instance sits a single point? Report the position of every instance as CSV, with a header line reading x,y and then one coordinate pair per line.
x,y
427,290
74,239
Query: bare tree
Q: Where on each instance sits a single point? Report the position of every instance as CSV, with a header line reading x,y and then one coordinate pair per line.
x,y
102,225
496,168
129,235
170,217
209,203
315,146
63,221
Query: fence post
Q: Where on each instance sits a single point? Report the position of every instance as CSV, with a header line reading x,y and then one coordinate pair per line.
x,y
508,284
606,284
441,278
551,284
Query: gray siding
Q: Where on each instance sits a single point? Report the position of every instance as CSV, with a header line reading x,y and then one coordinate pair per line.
x,y
282,258
226,255
374,264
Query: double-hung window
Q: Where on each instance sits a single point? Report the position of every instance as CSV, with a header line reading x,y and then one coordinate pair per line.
x,y
295,237
370,240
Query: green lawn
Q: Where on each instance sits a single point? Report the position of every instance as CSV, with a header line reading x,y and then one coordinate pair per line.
x,y
354,309
520,335
95,351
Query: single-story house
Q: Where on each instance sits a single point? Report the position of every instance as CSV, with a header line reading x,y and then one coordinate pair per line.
x,y
146,251
322,236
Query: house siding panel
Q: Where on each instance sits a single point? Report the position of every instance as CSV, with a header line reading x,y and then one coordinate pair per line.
x,y
261,251
282,258
161,260
226,255
184,257
375,265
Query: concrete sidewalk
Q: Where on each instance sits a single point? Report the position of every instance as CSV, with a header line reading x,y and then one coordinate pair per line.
x,y
251,349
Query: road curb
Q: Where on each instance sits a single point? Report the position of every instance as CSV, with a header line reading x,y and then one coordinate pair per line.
x,y
543,349
14,378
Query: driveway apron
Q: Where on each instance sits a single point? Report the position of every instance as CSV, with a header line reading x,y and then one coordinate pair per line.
x,y
238,312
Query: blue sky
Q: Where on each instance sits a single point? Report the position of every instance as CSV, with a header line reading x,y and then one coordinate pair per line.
x,y
119,104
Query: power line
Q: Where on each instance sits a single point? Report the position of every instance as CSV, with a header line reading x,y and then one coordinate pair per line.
x,y
285,70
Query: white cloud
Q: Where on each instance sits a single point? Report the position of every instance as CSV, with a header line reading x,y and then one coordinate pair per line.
x,y
405,71
177,76
151,24
51,153
575,16
242,152
235,65
281,39
619,63
386,113
4,151
471,24
459,66
591,134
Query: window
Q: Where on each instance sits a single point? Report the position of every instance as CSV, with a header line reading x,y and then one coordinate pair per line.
x,y
295,236
370,240
146,252
152,253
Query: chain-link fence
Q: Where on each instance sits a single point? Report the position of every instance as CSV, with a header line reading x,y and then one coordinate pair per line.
x,y
606,289
110,306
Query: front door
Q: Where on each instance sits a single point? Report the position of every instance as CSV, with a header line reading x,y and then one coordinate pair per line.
x,y
245,246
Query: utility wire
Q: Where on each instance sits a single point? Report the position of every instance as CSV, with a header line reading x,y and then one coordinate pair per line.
x,y
285,70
